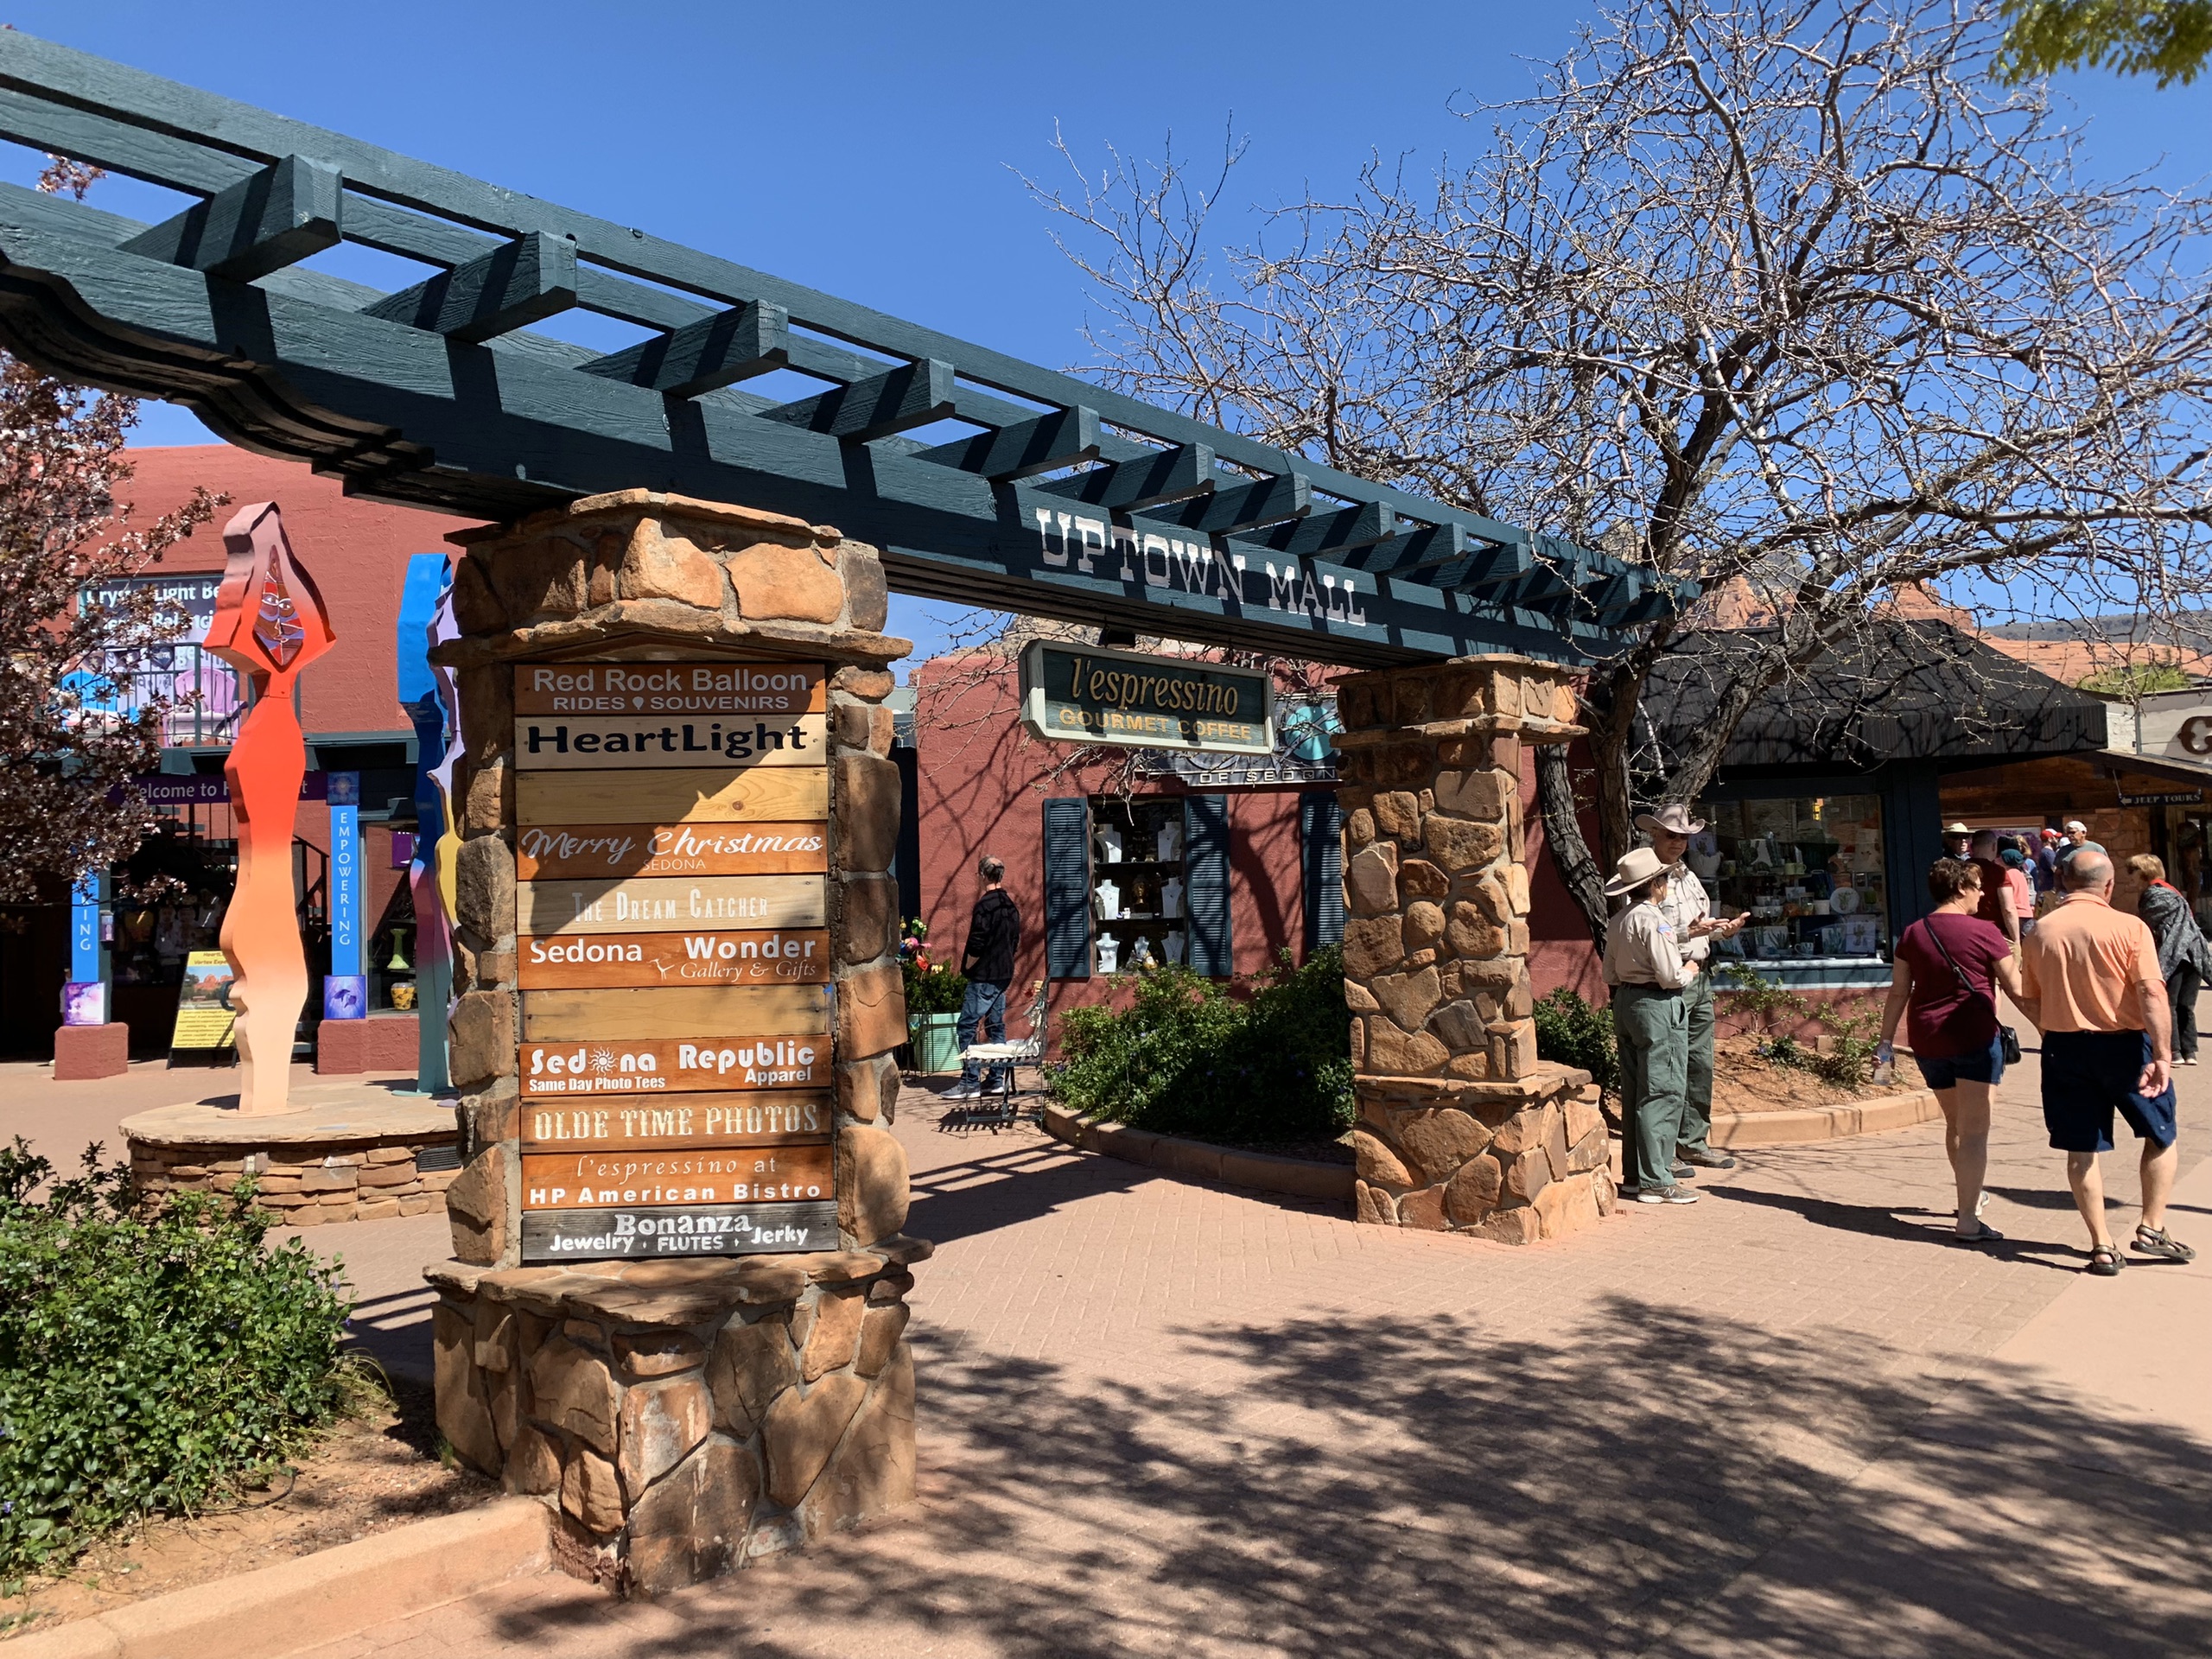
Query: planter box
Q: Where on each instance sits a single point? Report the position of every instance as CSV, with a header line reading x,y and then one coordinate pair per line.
x,y
936,1041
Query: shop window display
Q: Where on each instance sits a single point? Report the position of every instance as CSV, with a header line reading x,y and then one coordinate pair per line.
x,y
1808,871
1138,882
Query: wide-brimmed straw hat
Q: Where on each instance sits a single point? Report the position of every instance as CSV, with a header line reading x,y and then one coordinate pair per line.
x,y
1639,869
1674,818
1956,829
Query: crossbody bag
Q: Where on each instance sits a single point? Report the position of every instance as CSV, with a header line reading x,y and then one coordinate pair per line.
x,y
2008,1040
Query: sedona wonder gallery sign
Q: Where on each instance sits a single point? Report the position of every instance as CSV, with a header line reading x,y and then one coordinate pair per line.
x,y
1074,694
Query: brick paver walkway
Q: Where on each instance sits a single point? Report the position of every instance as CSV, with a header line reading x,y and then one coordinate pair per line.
x,y
1161,1417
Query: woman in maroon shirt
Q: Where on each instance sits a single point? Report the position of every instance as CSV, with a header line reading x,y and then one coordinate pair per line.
x,y
1944,982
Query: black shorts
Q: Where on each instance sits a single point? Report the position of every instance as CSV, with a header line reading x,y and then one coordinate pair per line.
x,y
2089,1074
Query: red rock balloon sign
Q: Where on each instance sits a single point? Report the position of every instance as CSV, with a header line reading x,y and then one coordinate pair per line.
x,y
270,623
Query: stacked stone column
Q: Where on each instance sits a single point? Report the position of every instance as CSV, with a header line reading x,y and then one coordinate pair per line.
x,y
1461,1127
686,1415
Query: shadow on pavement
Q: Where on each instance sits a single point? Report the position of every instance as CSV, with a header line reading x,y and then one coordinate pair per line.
x,y
1004,1185
1355,1486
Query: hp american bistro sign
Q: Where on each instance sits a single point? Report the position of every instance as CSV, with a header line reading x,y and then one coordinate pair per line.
x,y
672,851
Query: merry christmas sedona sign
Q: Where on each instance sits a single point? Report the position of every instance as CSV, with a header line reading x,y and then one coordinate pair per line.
x,y
673,953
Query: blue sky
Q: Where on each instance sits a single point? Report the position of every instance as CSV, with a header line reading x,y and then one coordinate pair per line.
x,y
872,149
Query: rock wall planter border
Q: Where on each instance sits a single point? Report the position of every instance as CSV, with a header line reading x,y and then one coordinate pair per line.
x,y
1813,1123
1263,1172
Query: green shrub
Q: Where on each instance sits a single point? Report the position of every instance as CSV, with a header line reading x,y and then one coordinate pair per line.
x,y
1572,1033
1187,1058
1848,1062
932,987
146,1363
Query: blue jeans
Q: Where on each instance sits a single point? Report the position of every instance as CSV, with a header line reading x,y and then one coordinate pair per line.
x,y
984,1007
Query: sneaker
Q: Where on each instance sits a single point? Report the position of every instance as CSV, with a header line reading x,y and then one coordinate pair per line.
x,y
1707,1157
1665,1195
1681,1171
962,1092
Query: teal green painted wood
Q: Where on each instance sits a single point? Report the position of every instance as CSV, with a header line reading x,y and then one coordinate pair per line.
x,y
442,395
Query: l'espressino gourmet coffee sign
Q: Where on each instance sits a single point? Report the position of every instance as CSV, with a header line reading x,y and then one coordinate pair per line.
x,y
1073,694
672,932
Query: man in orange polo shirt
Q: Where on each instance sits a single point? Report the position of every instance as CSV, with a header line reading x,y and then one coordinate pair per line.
x,y
2090,978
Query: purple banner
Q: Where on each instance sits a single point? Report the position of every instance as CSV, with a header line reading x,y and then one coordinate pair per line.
x,y
210,788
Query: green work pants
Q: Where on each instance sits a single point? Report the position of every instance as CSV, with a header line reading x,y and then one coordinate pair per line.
x,y
1651,1029
1697,1091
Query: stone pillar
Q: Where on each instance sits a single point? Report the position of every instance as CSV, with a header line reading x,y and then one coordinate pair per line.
x,y
686,1416
1461,1127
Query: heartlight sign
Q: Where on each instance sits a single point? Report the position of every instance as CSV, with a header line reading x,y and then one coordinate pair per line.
x,y
1073,694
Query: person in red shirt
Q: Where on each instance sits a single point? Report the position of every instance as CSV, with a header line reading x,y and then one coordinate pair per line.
x,y
1944,983
1996,900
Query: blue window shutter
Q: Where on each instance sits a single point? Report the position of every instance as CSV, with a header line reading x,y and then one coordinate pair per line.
x,y
1067,888
1320,834
1205,879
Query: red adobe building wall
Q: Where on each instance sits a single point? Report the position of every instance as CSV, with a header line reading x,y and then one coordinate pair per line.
x,y
982,785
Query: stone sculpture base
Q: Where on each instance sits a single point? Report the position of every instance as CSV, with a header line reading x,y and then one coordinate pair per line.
x,y
347,1154
686,1418
82,1053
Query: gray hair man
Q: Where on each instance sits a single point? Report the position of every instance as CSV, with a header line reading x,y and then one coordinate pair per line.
x,y
2089,979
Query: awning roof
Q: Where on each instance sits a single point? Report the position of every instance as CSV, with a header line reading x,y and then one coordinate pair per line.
x,y
1916,689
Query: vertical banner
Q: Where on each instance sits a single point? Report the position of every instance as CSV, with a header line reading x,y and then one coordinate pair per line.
x,y
345,991
83,999
423,589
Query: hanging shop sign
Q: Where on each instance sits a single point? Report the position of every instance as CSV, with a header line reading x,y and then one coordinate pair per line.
x,y
673,946
1073,694
2163,798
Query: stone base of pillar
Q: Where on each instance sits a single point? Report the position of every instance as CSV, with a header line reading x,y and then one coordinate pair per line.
x,y
82,1053
1513,1162
686,1418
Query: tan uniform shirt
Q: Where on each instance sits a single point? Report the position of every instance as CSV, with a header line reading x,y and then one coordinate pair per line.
x,y
1684,902
1641,949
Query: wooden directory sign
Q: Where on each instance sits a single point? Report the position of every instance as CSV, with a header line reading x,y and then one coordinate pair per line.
x,y
798,955
582,851
657,798
676,1011
770,1118
666,904
672,848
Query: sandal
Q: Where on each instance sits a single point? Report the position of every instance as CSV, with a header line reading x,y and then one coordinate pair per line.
x,y
2156,1241
2105,1262
1988,1235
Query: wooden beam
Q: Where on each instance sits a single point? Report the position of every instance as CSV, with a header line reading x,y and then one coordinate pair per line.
x,y
706,355
1225,509
911,395
509,288
1159,475
1447,555
1337,531
273,218
1060,437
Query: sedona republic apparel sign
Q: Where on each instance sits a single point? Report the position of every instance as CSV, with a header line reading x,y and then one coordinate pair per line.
x,y
674,956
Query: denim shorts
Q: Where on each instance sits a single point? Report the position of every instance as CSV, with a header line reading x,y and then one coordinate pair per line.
x,y
1947,1072
2089,1074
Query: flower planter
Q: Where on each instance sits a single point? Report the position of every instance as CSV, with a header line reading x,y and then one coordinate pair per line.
x,y
936,1040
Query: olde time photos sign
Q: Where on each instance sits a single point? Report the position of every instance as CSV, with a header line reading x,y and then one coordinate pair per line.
x,y
674,956
1073,694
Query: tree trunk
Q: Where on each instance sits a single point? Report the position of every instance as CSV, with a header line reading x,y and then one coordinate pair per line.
x,y
1578,871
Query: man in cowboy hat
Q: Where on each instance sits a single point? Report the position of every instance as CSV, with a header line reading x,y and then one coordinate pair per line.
x,y
1647,971
1688,911
1957,839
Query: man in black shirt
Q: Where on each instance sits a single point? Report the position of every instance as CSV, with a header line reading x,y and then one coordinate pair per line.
x,y
993,935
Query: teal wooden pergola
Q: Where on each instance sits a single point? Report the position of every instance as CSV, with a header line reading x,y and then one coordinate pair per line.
x,y
1061,500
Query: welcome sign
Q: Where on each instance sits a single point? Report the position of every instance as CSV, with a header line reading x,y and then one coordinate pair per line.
x,y
1073,694
673,945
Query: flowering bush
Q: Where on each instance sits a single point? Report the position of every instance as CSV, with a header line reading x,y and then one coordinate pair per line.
x,y
931,986
147,1363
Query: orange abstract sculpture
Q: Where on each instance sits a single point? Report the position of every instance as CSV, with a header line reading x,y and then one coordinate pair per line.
x,y
270,623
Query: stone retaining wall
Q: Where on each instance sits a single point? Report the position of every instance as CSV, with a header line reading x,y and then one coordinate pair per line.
x,y
307,1184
